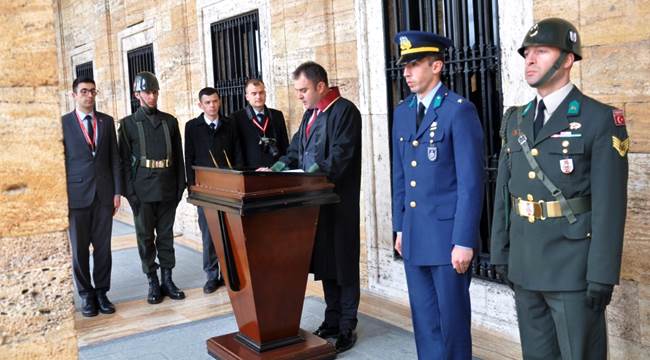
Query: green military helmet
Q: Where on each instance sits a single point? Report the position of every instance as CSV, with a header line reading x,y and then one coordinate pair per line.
x,y
145,81
554,32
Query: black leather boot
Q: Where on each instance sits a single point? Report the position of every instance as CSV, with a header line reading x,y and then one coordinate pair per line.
x,y
155,294
168,287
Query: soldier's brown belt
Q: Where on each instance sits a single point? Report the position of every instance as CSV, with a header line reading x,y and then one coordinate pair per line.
x,y
540,210
157,164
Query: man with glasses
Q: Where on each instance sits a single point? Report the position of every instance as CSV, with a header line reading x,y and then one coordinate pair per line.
x,y
94,186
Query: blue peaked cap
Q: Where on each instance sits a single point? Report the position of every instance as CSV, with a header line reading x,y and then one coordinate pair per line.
x,y
415,45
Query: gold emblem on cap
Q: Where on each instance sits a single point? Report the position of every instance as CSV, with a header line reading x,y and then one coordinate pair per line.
x,y
404,43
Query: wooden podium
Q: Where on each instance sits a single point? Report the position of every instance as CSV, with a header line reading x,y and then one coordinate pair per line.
x,y
263,226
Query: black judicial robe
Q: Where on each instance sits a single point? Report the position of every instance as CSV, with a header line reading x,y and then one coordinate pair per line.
x,y
334,143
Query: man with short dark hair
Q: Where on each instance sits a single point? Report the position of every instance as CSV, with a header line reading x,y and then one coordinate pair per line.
x,y
94,186
211,140
329,141
560,202
152,160
437,197
262,130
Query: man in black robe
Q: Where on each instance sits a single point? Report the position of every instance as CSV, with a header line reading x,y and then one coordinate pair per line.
x,y
262,131
329,141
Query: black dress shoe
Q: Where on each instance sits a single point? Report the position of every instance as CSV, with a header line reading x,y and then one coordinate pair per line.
x,y
345,341
325,331
212,285
89,305
105,305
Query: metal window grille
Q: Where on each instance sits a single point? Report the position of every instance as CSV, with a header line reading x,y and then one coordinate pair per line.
x,y
472,69
85,70
235,58
139,59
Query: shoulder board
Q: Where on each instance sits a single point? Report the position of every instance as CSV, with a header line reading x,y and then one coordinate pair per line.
x,y
504,121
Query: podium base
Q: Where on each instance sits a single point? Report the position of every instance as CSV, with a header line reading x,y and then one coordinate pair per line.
x,y
226,347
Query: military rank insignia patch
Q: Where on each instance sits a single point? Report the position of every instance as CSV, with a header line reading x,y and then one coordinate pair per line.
x,y
621,146
619,117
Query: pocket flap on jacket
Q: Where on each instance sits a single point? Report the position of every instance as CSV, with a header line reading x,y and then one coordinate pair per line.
x,y
445,211
581,229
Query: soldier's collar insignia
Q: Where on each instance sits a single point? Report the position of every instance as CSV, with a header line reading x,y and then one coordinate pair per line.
x,y
437,101
527,108
621,146
574,108
619,117
413,102
404,43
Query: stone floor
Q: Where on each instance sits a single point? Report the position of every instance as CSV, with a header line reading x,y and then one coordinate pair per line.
x,y
182,328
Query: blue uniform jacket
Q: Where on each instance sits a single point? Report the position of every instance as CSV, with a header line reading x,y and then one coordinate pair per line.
x,y
438,173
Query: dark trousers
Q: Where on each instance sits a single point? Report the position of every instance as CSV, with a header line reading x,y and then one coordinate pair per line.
x,y
441,311
210,262
342,303
154,227
91,225
560,325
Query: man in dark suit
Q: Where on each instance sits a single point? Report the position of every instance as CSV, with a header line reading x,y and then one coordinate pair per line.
x,y
262,131
561,200
211,141
437,198
329,141
94,186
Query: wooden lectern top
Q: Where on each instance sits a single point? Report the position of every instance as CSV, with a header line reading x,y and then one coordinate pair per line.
x,y
248,191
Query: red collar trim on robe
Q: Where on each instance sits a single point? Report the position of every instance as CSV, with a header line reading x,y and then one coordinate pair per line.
x,y
330,98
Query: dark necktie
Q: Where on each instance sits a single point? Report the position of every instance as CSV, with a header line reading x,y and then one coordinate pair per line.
x,y
90,131
260,118
213,126
539,118
420,116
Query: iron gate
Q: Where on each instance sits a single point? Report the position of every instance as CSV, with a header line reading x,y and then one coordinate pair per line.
x,y
139,59
84,70
472,69
235,58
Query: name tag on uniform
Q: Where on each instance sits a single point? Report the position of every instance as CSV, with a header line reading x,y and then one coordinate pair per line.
x,y
432,153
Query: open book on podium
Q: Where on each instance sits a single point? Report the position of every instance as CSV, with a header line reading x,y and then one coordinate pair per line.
x,y
263,226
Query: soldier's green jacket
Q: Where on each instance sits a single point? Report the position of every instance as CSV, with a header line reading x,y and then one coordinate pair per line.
x,y
145,184
552,254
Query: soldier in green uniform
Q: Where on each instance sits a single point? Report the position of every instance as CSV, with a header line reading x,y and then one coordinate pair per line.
x,y
560,203
152,160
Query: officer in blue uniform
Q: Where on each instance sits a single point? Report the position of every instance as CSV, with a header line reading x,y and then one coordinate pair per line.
x,y
437,165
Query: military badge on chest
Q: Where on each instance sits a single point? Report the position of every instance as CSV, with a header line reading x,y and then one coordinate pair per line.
x,y
566,165
432,150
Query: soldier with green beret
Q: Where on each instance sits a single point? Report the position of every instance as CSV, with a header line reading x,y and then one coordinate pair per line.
x,y
561,195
